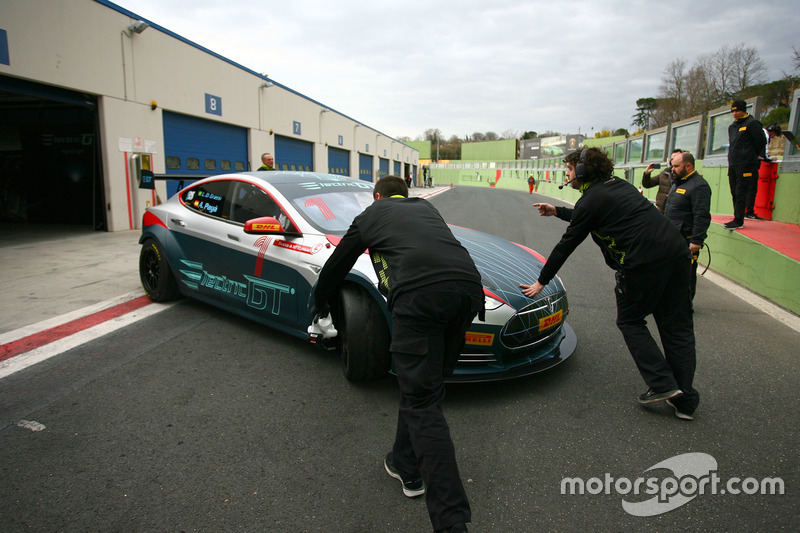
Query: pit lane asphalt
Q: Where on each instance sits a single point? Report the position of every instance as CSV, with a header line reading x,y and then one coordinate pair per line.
x,y
192,420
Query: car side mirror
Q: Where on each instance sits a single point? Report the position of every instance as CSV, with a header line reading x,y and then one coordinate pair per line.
x,y
267,226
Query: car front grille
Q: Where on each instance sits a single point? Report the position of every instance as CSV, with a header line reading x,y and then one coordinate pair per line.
x,y
535,322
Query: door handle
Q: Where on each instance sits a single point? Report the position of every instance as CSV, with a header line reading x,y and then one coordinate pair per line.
x,y
233,237
178,222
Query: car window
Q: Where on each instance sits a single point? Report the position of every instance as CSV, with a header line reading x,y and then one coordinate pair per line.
x,y
209,198
333,212
249,202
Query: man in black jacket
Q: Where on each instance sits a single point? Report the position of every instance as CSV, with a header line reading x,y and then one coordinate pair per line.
x,y
746,141
433,291
688,206
653,267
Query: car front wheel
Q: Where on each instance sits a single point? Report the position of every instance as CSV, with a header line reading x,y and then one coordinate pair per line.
x,y
155,273
364,336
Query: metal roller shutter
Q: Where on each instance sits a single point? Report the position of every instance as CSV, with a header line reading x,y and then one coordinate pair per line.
x,y
197,146
365,167
293,154
383,167
338,161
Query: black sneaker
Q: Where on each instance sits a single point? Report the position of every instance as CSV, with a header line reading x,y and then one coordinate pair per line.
x,y
411,488
680,414
753,216
652,396
734,225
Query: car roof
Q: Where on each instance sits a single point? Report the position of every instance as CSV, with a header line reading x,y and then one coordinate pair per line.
x,y
282,176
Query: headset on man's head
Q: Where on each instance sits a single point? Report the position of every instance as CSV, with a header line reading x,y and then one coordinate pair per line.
x,y
580,168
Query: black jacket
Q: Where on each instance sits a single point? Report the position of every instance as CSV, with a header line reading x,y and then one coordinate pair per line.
x,y
632,234
746,142
410,245
688,207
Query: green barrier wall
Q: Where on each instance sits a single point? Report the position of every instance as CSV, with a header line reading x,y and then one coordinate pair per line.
x,y
749,263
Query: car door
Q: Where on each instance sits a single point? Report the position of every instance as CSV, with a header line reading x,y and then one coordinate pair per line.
x,y
261,268
198,229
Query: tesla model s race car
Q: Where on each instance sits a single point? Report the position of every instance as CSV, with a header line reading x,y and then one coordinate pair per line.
x,y
254,243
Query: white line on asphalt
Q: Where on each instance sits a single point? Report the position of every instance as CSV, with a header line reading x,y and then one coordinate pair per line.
x,y
757,301
60,320
37,355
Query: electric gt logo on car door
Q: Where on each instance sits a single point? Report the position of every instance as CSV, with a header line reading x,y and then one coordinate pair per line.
x,y
257,293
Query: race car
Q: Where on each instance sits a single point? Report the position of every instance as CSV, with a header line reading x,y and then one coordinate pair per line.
x,y
253,244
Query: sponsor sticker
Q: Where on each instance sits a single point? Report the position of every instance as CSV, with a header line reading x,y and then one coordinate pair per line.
x,y
479,339
551,320
299,247
266,227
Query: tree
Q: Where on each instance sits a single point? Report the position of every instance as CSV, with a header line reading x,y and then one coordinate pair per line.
x,y
747,68
671,90
510,134
529,135
433,134
712,81
645,107
549,133
491,136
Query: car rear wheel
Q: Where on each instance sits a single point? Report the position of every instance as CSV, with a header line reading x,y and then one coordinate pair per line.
x,y
364,336
155,273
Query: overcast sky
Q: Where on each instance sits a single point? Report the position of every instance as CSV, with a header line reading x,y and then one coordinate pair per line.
x,y
469,66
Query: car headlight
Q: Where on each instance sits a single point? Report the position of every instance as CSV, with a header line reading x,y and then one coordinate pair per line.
x,y
492,301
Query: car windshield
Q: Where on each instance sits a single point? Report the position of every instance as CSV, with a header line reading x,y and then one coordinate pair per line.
x,y
330,208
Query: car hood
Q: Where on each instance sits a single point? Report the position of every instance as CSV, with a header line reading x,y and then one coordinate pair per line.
x,y
503,265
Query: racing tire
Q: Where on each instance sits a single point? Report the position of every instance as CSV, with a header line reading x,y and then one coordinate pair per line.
x,y
155,274
364,336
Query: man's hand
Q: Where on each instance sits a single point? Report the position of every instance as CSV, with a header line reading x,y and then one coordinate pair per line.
x,y
694,248
532,290
545,210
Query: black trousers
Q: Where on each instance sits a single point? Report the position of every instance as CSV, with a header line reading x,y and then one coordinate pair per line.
x,y
665,295
743,180
428,329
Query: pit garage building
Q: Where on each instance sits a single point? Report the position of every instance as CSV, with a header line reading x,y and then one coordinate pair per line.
x,y
90,91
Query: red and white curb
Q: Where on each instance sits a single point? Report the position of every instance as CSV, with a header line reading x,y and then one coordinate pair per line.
x,y
33,344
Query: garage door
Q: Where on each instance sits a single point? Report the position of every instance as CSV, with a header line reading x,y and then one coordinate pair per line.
x,y
397,169
365,167
50,166
338,161
197,146
294,154
383,167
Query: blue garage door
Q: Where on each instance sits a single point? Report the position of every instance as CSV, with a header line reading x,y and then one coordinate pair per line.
x,y
397,169
293,154
338,161
383,167
365,167
196,146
